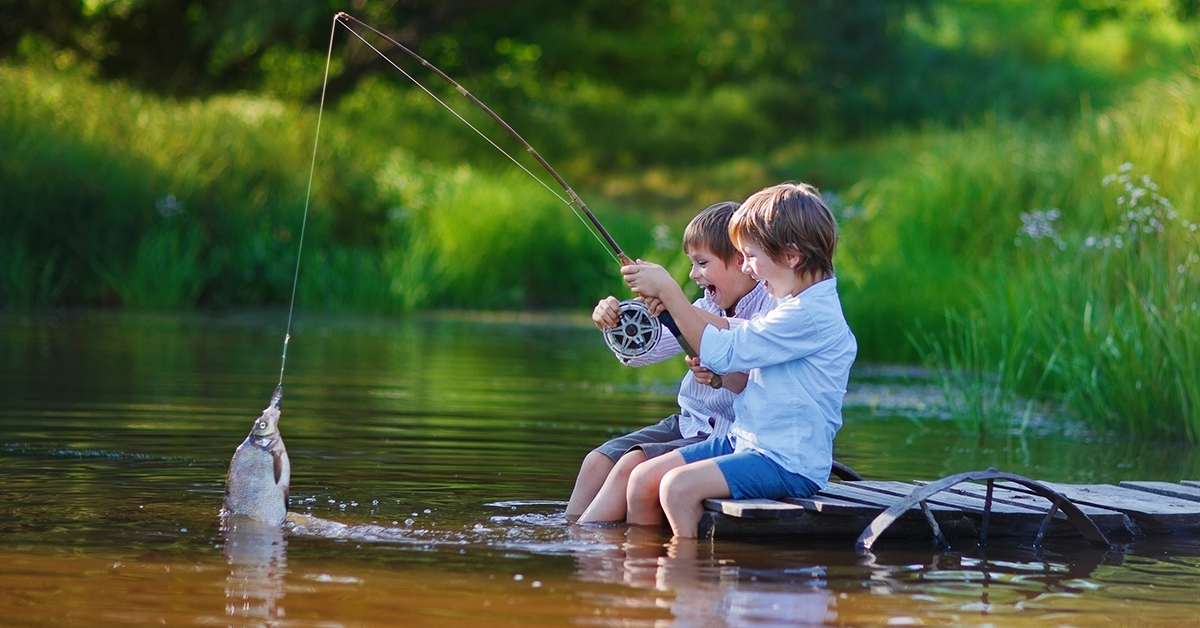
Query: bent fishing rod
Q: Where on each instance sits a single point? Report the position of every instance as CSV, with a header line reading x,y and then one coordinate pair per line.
x,y
637,331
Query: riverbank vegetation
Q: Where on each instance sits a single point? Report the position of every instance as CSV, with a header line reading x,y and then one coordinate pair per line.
x,y
1015,179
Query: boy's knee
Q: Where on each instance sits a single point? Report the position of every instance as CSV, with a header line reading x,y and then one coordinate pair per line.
x,y
637,477
640,484
629,462
673,486
595,463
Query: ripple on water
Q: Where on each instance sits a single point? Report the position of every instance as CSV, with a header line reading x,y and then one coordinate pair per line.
x,y
544,531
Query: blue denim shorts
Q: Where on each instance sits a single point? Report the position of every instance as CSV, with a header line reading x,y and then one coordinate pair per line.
x,y
749,474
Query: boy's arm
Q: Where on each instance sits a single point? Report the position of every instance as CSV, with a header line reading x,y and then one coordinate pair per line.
x,y
733,382
654,282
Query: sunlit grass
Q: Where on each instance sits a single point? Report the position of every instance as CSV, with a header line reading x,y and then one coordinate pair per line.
x,y
1120,330
932,233
87,168
1063,285
398,222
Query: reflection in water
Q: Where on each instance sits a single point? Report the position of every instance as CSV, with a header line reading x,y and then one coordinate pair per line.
x,y
699,600
1019,571
257,557
439,446
701,589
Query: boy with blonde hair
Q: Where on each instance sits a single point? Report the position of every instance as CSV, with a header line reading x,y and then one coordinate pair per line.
x,y
798,356
600,487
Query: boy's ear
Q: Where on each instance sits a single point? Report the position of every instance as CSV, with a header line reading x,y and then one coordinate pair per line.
x,y
793,256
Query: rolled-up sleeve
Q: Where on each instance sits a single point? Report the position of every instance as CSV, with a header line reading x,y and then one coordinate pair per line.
x,y
784,334
716,349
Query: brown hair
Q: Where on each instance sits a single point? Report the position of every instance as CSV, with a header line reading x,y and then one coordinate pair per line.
x,y
710,230
789,214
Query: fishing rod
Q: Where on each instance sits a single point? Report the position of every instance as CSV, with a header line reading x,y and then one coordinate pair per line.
x,y
637,331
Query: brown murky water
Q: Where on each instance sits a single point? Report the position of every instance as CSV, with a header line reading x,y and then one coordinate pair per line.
x,y
447,445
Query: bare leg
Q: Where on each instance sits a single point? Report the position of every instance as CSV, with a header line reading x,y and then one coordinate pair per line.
x,y
642,496
683,490
609,504
592,474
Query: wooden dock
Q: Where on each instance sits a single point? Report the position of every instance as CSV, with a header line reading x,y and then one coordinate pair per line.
x,y
959,507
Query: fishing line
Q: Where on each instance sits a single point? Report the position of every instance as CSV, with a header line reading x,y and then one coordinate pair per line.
x,y
312,169
637,330
568,202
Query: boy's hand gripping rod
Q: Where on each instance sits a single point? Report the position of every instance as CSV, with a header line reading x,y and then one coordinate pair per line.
x,y
637,330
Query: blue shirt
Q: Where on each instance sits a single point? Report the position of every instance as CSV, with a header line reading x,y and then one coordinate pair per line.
x,y
704,410
798,356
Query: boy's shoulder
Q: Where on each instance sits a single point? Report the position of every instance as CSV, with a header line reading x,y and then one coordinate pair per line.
x,y
820,302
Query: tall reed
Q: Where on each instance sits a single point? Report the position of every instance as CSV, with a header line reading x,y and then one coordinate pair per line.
x,y
1065,290
1121,329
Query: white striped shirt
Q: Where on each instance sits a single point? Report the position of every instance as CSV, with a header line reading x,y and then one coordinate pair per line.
x,y
702,409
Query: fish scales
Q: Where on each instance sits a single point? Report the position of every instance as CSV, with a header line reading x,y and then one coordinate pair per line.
x,y
259,475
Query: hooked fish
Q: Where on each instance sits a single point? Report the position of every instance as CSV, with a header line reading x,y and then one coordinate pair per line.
x,y
260,474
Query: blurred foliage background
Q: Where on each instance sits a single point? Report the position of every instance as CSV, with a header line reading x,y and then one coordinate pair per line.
x,y
155,155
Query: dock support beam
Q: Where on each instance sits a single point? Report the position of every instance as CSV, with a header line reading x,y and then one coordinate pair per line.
x,y
1086,526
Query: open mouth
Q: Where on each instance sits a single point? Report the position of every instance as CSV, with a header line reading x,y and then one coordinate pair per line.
x,y
710,290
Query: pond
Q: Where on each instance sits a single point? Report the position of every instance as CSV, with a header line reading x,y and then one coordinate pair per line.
x,y
449,443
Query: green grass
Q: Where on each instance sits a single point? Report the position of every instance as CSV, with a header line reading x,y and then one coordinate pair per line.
x,y
111,197
1018,310
89,171
166,271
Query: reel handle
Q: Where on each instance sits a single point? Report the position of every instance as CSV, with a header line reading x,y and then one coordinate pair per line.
x,y
669,322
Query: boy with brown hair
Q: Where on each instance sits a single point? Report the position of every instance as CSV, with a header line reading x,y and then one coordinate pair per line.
x,y
600,487
798,356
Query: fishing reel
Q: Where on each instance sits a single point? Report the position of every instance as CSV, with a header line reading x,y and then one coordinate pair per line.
x,y
637,330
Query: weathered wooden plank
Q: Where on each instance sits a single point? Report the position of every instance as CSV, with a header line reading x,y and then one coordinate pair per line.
x,y
951,499
844,509
1021,515
1180,491
954,522
717,525
826,517
1027,499
754,508
849,491
1150,512
1111,522
836,507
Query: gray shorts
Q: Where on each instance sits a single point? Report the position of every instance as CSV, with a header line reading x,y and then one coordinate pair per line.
x,y
654,440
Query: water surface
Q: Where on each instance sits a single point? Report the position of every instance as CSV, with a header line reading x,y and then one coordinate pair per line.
x,y
447,445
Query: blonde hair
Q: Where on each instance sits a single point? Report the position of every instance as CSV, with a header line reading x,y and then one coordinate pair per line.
x,y
710,230
789,214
